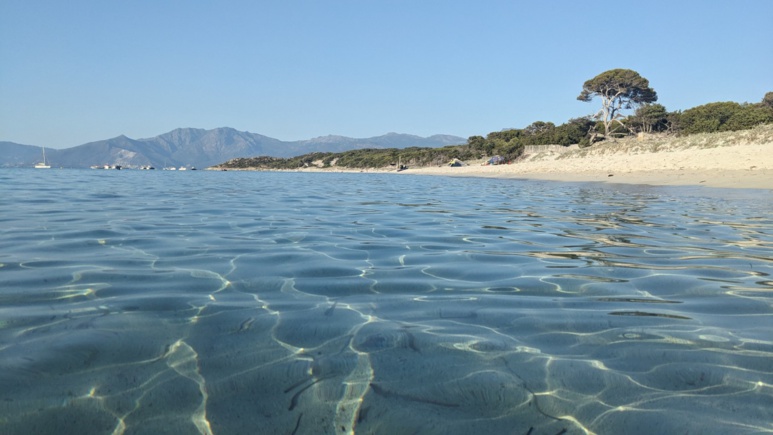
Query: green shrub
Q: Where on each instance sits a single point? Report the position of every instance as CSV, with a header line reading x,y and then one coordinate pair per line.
x,y
748,116
707,118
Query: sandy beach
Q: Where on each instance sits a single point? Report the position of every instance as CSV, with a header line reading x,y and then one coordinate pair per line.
x,y
741,159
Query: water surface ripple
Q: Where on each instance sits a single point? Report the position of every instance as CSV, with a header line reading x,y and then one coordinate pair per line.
x,y
233,303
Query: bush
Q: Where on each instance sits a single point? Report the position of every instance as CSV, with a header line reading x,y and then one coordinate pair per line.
x,y
707,118
749,116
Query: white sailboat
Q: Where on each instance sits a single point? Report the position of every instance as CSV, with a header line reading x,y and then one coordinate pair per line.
x,y
43,165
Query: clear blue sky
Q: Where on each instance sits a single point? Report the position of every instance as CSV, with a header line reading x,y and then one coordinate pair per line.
x,y
77,71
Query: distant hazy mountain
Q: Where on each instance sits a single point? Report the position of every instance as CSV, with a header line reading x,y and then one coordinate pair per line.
x,y
201,148
389,140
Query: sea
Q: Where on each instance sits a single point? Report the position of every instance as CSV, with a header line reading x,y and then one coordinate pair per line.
x,y
208,302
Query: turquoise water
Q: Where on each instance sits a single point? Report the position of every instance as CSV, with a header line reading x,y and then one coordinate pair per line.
x,y
234,303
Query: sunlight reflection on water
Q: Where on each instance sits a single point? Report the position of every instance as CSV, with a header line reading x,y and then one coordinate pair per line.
x,y
209,302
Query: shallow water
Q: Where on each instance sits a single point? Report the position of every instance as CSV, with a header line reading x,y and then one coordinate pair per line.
x,y
232,303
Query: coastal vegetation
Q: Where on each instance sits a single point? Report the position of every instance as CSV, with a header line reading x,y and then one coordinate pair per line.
x,y
725,116
508,144
761,134
618,90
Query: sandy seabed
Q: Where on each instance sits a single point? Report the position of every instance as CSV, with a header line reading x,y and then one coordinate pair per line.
x,y
738,165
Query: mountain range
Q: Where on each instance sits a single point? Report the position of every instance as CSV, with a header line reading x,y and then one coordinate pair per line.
x,y
200,148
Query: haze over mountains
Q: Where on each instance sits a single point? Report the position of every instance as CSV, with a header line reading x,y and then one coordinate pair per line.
x,y
201,148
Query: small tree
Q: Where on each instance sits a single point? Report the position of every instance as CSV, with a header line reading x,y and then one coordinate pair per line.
x,y
767,100
574,131
650,117
619,89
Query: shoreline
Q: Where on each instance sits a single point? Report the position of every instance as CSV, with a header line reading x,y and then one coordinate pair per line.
x,y
741,160
735,179
738,159
726,179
